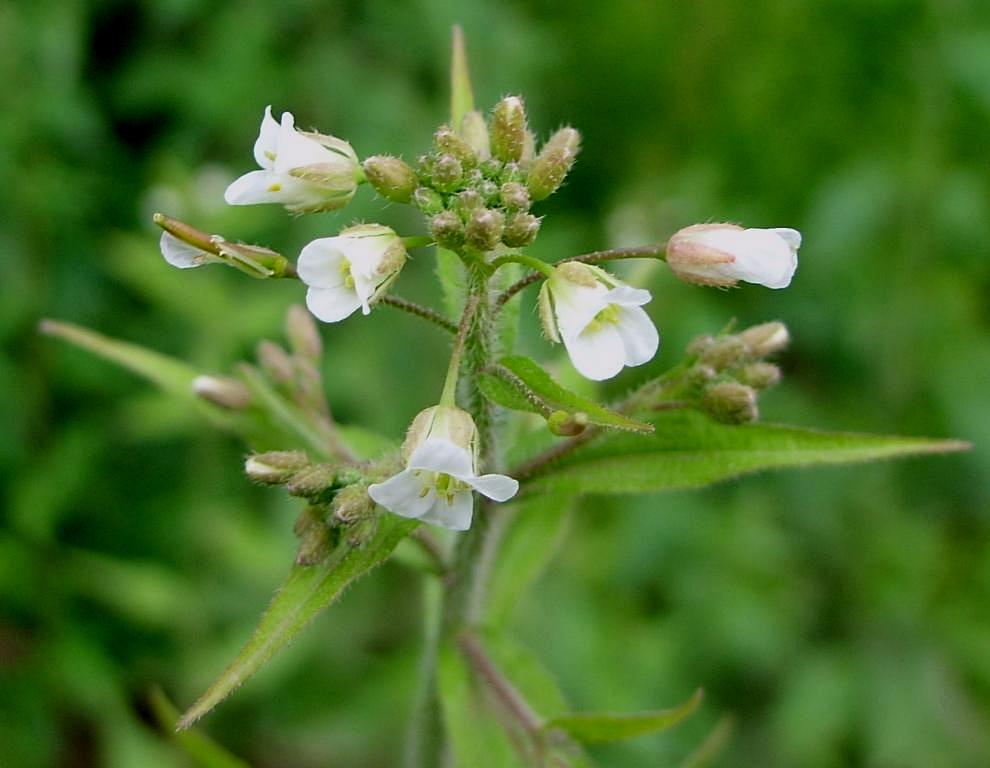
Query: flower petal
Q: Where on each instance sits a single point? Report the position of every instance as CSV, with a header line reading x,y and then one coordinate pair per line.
x,y
627,296
791,236
403,494
296,151
766,257
576,305
265,187
183,255
639,336
454,514
333,303
320,263
495,487
597,354
266,145
441,455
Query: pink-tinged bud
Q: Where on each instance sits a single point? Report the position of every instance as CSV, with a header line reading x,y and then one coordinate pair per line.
x,y
391,177
275,467
760,375
730,402
521,230
448,230
484,229
448,173
222,391
722,254
302,333
766,339
449,142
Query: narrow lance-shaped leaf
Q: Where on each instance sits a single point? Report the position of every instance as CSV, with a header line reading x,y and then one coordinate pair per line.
x,y
203,751
554,396
689,450
306,592
600,727
461,93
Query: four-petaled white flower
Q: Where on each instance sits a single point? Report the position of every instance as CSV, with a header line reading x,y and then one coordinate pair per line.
x,y
599,318
305,172
721,254
441,472
350,270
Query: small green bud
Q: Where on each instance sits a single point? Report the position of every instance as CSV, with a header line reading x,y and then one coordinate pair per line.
x,y
361,531
553,163
529,147
484,229
391,177
447,230
352,503
302,333
427,200
700,375
424,169
451,143
448,173
513,172
765,339
275,361
466,201
521,230
311,482
730,402
700,344
311,516
726,352
475,133
567,424
314,546
514,196
491,169
489,191
275,467
760,375
508,131
223,391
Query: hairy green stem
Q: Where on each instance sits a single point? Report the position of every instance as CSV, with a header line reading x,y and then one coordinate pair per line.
x,y
419,310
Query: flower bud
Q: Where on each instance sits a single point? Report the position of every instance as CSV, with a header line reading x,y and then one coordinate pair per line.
x,y
220,390
315,546
722,254
514,196
491,169
391,177
700,375
427,200
451,143
508,131
765,339
448,173
730,402
760,375
447,229
275,467
566,424
475,133
521,230
275,361
484,229
700,344
352,503
553,163
466,201
489,192
311,516
312,481
252,260
303,335
726,352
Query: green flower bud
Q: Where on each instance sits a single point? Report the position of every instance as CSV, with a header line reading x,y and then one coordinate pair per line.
x,y
760,375
427,200
484,229
514,196
314,546
475,133
700,344
220,390
448,173
521,230
567,424
451,143
424,169
391,177
311,516
553,163
508,130
730,402
275,467
465,202
447,229
726,352
489,191
765,339
352,503
312,482
275,361
491,169
700,375
303,335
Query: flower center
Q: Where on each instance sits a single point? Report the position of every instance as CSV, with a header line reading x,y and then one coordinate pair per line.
x,y
345,270
609,315
447,487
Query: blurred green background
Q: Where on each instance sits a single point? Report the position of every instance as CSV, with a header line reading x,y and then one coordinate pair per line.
x,y
842,616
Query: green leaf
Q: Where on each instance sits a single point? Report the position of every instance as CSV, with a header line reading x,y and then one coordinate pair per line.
x,y
475,733
554,395
306,592
532,531
202,750
461,93
689,450
453,282
502,393
601,727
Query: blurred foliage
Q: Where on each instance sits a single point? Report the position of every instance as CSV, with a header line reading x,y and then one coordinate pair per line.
x,y
840,615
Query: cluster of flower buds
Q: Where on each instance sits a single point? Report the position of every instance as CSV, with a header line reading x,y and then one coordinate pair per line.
x,y
727,372
339,508
478,183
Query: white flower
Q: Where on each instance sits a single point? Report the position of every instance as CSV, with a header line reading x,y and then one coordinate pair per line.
x,y
721,254
305,172
185,256
599,318
350,270
186,247
441,472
